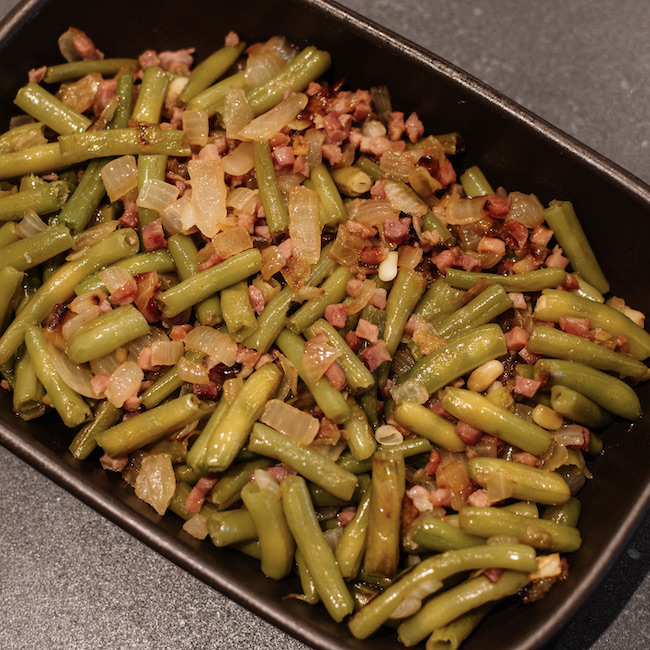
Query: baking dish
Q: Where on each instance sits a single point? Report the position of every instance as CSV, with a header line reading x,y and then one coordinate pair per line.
x,y
510,145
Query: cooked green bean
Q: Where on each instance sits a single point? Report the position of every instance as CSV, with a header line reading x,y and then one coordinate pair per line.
x,y
480,412
150,167
315,467
237,311
567,513
352,542
530,281
440,536
177,504
450,636
28,391
474,182
275,210
361,439
351,181
231,527
44,199
151,96
439,300
576,407
9,139
211,99
423,421
124,93
330,200
78,69
10,280
553,305
309,591
46,108
609,392
432,222
8,234
105,415
34,250
228,489
70,406
315,550
526,483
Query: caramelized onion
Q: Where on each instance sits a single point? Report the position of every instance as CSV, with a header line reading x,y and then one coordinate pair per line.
x,y
299,425
156,482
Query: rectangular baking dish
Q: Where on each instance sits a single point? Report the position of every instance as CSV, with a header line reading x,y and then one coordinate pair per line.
x,y
513,147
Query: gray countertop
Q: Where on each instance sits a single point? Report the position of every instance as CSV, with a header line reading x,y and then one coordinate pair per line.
x,y
70,579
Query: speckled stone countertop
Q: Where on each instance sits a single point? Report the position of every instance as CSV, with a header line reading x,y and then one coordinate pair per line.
x,y
69,579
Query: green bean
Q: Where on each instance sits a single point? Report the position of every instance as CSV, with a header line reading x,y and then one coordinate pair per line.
x,y
307,584
439,300
10,280
34,250
474,182
524,482
33,160
423,421
330,400
277,543
84,201
8,234
361,439
78,69
607,391
530,281
351,181
553,305
184,253
328,195
145,139
237,311
105,415
538,533
427,576
177,504
352,542
231,527
228,489
567,230
150,167
106,333
277,217
208,71
307,66
211,99
28,391
60,286
46,108
477,410
204,284
196,455
457,601
567,513
11,138
452,635
459,356
44,199
233,430
383,540
70,406
151,96
311,464
576,407
358,377
432,222
552,342
158,260
524,508
271,321
149,426
315,550
440,536
124,93
482,309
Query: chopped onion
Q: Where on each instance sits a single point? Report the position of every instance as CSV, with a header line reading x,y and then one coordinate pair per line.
x,y
156,482
266,482
78,377
115,277
525,208
464,211
572,434
215,344
71,325
239,162
31,224
260,67
157,195
411,391
362,298
371,212
499,487
232,388
318,357
196,526
87,299
237,112
403,199
315,139
209,193
413,602
275,119
243,199
409,257
81,95
387,434
196,126
179,216
120,176
166,353
294,423
398,163
124,383
304,225
192,372
28,138
373,129
231,241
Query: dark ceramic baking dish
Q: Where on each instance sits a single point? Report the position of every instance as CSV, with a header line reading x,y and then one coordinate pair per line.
x,y
514,148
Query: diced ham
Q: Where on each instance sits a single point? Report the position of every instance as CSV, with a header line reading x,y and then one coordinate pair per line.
x,y
147,285
436,407
85,48
446,173
353,287
313,89
526,387
496,206
35,75
526,458
114,464
280,472
147,58
99,382
374,355
414,128
256,298
396,231
378,190
433,462
211,151
378,298
469,262
105,93
129,218
283,157
527,356
478,499
469,434
336,376
518,231
540,236
492,245
419,495
285,249
445,259
125,294
332,153
346,515
517,338
179,332
153,236
493,574
213,260
336,315
367,330
177,61
353,341
556,260
300,165
570,282
197,494
373,255
396,125
144,359
441,498
518,300
575,325
132,403
335,132
206,391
